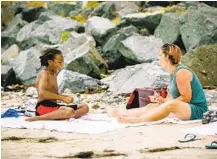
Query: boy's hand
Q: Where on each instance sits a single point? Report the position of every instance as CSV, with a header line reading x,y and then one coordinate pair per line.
x,y
68,99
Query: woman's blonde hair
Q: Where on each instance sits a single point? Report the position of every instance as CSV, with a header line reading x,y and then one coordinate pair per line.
x,y
173,52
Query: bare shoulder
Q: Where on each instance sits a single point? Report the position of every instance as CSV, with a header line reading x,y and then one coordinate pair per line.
x,y
183,75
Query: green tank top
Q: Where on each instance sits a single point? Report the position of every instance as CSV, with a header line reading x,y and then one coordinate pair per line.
x,y
198,96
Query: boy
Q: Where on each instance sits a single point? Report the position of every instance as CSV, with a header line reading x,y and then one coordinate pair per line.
x,y
46,83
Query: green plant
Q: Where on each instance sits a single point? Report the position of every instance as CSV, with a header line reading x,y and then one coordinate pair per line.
x,y
64,36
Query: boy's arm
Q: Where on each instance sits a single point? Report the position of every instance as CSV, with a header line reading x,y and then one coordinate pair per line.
x,y
45,94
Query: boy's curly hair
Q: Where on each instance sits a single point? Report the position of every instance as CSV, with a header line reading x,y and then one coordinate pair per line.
x,y
49,54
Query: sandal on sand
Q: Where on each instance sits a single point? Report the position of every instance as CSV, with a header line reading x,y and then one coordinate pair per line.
x,y
213,145
188,138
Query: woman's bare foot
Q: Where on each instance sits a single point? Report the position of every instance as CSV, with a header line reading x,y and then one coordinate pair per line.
x,y
130,120
35,118
114,112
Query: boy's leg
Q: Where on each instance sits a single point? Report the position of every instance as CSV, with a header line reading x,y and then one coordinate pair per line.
x,y
114,112
61,113
82,110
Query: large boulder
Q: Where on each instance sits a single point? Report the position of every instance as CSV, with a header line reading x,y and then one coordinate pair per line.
x,y
62,8
99,28
8,76
140,49
199,26
105,10
76,82
27,65
169,28
49,32
203,62
124,8
9,54
81,55
8,36
110,50
32,14
144,20
148,75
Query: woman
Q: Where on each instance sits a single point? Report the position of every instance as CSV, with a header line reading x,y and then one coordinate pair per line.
x,y
187,101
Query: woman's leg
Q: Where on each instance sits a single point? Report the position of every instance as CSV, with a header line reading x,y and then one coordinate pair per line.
x,y
114,112
180,109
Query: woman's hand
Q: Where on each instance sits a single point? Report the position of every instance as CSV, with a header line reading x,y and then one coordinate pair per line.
x,y
158,98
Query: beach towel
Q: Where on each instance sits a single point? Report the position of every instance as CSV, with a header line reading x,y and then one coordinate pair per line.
x,y
88,124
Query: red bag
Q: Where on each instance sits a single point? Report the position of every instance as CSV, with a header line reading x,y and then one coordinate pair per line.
x,y
140,96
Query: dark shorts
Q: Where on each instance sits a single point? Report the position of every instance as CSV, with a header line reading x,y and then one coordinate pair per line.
x,y
47,106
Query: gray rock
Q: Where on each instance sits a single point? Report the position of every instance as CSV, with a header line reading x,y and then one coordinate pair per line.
x,y
199,26
81,55
9,54
169,28
105,10
49,32
147,75
125,8
144,20
5,69
76,82
110,49
10,33
32,14
141,49
27,65
62,9
203,62
99,28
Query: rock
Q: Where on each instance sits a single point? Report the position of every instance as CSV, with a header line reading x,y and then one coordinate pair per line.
x,y
144,20
27,65
148,75
160,3
81,55
32,14
8,77
140,49
49,32
199,26
62,8
9,54
32,92
9,35
125,8
105,10
24,37
99,28
169,28
7,14
5,69
110,50
76,82
203,62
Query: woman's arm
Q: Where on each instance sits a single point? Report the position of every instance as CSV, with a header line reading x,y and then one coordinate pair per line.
x,y
183,80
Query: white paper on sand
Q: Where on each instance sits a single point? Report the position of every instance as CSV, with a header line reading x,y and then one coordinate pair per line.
x,y
90,124
208,129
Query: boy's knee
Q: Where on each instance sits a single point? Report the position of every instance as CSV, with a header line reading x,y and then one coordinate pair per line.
x,y
69,113
85,108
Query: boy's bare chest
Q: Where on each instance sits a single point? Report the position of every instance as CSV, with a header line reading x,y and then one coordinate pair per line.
x,y
53,84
